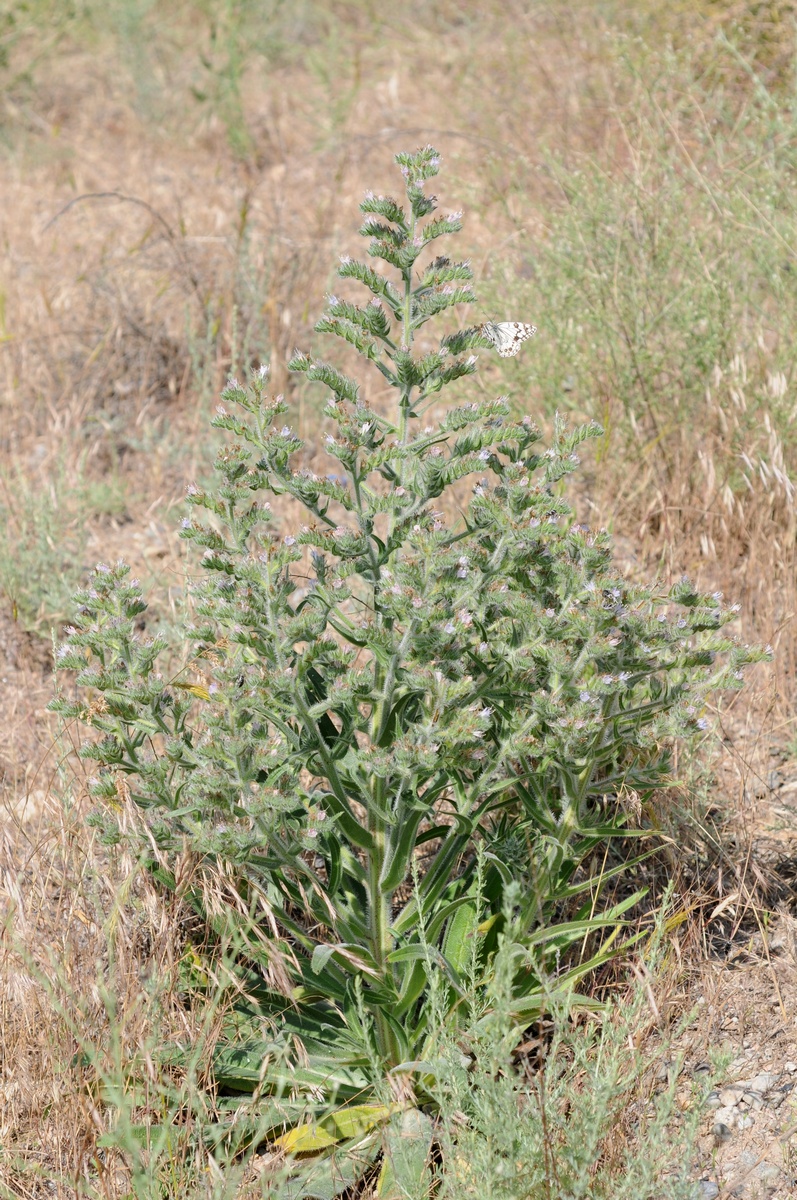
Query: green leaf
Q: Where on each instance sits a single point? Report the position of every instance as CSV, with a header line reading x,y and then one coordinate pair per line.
x,y
406,1173
349,955
458,945
321,956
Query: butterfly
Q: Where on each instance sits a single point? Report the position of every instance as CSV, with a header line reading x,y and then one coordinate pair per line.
x,y
507,336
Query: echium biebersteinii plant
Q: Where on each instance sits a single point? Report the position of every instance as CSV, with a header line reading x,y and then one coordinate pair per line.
x,y
454,702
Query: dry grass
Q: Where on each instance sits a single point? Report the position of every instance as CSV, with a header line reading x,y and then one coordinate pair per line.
x,y
155,242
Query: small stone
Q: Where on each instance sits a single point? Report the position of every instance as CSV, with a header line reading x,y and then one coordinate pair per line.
x,y
726,1116
775,780
708,1189
768,1172
762,1083
713,1100
753,1100
790,1067
731,1095
744,1121
701,1068
725,1120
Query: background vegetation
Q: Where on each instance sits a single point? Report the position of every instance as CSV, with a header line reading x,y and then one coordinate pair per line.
x,y
178,179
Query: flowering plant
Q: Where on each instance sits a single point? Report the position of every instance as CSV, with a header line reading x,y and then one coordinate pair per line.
x,y
456,702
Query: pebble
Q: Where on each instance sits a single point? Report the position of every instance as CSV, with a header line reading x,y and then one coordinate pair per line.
x,y
725,1120
762,1083
790,1068
731,1095
708,1189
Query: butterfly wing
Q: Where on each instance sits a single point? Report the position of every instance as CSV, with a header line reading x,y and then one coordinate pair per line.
x,y
508,336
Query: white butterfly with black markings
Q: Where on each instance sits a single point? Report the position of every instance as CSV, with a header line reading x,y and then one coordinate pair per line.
x,y
507,336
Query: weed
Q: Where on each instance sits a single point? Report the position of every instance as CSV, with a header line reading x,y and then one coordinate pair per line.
x,y
462,703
